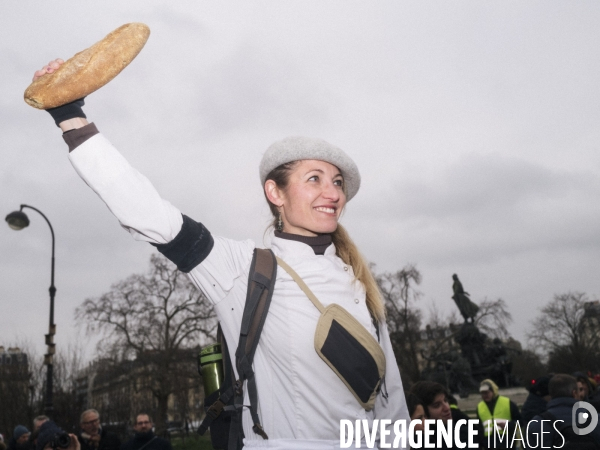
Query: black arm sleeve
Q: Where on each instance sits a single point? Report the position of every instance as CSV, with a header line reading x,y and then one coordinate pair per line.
x,y
190,247
67,111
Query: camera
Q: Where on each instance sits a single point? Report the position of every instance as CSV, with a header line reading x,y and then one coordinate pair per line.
x,y
59,440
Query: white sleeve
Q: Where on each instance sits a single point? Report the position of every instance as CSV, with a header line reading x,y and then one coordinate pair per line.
x,y
227,261
134,201
128,194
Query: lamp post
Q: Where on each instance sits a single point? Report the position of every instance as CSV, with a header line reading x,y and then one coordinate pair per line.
x,y
18,220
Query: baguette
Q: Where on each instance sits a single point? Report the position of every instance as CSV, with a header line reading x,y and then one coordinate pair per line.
x,y
90,69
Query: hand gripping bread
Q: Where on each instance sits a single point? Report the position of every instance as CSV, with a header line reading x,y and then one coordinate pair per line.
x,y
90,69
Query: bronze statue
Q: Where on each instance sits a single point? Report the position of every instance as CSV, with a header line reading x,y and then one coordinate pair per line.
x,y
467,308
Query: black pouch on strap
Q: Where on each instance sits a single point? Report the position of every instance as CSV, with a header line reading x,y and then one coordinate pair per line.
x,y
346,346
351,352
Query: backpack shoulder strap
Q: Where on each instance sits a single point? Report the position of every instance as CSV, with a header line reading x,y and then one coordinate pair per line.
x,y
261,280
261,283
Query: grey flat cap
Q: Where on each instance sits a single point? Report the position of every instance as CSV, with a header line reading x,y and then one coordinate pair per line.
x,y
295,148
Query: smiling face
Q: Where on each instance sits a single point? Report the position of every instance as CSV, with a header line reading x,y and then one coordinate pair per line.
x,y
313,199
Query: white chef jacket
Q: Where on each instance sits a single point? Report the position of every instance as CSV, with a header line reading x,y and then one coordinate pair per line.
x,y
299,396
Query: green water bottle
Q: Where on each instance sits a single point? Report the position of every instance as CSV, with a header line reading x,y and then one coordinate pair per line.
x,y
210,364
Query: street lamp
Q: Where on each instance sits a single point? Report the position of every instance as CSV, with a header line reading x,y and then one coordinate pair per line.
x,y
18,220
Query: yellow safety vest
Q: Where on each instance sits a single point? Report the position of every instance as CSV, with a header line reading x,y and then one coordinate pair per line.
x,y
501,411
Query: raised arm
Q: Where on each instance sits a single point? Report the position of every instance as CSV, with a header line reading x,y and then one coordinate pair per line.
x,y
139,208
128,194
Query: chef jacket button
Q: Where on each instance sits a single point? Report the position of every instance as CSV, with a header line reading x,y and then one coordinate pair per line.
x,y
346,268
356,300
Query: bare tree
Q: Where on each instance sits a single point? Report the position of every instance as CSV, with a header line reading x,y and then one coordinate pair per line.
x,y
68,363
153,320
439,335
567,330
528,365
403,317
493,318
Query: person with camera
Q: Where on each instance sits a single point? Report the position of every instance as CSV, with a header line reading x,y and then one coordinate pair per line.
x,y
93,436
52,437
144,438
38,421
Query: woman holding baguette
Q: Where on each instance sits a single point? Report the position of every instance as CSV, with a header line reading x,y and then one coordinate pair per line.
x,y
307,183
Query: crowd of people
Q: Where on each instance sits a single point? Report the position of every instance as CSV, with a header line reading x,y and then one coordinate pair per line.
x,y
551,398
46,435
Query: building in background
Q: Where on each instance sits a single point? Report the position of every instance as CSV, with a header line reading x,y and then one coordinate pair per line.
x,y
16,389
119,390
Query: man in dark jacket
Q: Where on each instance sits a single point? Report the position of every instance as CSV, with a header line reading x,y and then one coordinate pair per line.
x,y
144,436
93,436
537,400
20,438
563,391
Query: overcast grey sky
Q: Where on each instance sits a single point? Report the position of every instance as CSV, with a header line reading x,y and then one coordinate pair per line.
x,y
475,126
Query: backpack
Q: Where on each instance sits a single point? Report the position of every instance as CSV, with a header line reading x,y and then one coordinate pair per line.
x,y
572,441
224,407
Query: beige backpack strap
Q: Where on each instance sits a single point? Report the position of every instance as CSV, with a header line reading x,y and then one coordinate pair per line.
x,y
313,298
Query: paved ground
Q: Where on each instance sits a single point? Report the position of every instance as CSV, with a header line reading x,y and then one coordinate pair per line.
x,y
469,404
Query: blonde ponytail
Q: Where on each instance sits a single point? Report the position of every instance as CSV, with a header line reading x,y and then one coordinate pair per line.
x,y
348,252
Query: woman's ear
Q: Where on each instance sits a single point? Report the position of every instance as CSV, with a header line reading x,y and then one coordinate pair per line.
x,y
273,193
